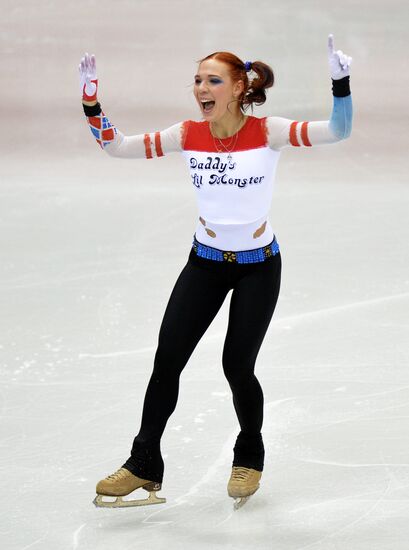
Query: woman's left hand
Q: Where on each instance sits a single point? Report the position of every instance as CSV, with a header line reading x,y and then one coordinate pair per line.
x,y
338,61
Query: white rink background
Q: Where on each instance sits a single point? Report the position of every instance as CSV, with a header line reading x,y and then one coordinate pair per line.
x,y
91,247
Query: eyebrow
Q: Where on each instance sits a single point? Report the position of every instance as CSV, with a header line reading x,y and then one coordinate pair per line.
x,y
216,75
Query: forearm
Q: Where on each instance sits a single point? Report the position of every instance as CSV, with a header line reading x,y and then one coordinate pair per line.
x,y
116,144
102,130
339,125
340,122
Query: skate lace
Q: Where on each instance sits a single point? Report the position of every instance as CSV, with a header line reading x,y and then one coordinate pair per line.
x,y
119,474
240,473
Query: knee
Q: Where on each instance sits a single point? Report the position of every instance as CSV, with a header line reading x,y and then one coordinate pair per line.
x,y
168,361
237,369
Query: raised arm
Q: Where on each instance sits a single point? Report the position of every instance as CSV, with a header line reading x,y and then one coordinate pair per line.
x,y
114,142
284,132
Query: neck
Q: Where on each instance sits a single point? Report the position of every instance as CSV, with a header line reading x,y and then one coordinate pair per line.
x,y
228,125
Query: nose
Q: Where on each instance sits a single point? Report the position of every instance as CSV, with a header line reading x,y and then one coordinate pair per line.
x,y
202,86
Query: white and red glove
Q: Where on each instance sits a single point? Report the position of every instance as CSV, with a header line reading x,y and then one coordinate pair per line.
x,y
338,61
88,78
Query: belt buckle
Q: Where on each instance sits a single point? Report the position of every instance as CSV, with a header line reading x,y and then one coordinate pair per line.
x,y
229,256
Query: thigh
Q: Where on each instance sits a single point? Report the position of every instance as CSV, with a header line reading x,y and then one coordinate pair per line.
x,y
195,300
252,306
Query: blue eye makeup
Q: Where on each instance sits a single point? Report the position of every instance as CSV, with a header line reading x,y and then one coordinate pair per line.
x,y
212,80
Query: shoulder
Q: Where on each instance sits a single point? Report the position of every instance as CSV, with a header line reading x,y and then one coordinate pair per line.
x,y
255,131
278,130
195,133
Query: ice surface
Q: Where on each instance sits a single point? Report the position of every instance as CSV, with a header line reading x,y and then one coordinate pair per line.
x,y
91,247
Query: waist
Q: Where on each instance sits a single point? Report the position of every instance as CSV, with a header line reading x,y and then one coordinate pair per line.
x,y
237,236
253,255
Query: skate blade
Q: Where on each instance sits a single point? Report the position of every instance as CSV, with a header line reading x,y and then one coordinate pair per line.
x,y
239,502
120,503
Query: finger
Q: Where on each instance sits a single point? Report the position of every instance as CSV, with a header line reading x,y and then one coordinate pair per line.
x,y
344,61
330,43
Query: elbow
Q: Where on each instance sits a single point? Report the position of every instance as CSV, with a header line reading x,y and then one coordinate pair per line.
x,y
341,130
347,132
109,150
344,133
112,147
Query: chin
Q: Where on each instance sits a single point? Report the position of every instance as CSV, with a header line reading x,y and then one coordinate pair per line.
x,y
211,117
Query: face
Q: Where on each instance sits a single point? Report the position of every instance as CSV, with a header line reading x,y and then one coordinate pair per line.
x,y
214,90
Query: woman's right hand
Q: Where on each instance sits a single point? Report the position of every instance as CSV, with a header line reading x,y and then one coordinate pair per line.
x,y
88,79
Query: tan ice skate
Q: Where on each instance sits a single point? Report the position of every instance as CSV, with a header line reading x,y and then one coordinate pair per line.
x,y
243,483
121,483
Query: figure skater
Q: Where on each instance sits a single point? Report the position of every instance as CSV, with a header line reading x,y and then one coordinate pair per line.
x,y
232,158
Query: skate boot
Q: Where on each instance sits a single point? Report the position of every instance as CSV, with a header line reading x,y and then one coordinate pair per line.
x,y
243,483
121,483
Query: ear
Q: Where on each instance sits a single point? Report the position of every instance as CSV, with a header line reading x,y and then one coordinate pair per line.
x,y
238,88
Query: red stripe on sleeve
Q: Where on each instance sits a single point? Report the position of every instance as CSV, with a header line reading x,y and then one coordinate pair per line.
x,y
293,134
148,149
304,134
158,145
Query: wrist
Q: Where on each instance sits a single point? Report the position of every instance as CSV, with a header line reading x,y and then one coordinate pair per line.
x,y
89,103
340,87
91,110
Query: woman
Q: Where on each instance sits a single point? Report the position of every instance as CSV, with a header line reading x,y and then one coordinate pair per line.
x,y
232,160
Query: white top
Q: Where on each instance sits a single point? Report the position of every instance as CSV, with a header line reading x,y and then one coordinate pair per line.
x,y
232,178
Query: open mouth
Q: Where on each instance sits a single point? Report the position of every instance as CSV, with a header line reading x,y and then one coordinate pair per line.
x,y
207,106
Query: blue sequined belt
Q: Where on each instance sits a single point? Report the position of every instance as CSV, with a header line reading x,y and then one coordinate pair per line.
x,y
240,257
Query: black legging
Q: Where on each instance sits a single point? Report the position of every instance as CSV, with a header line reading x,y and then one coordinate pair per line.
x,y
195,300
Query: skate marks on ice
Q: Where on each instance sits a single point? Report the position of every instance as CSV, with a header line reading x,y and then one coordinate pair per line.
x,y
76,536
327,539
109,355
203,487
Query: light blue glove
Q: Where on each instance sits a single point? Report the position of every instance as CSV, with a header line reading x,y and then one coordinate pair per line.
x,y
338,61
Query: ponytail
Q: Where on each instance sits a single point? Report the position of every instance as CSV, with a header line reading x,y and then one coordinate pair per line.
x,y
256,92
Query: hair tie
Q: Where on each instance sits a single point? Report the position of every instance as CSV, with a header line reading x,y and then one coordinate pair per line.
x,y
247,66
